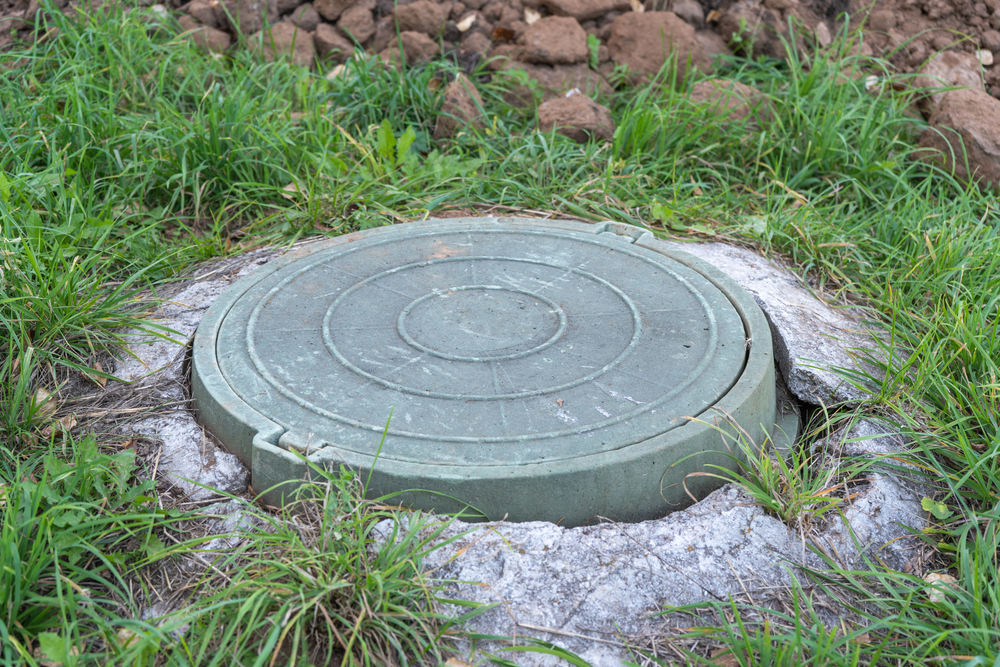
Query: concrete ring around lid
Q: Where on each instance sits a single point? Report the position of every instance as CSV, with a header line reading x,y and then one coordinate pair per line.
x,y
535,369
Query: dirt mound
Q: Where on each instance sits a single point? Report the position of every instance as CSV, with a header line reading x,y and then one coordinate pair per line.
x,y
566,44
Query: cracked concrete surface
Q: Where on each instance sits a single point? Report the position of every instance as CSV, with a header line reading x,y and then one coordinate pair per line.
x,y
810,336
189,456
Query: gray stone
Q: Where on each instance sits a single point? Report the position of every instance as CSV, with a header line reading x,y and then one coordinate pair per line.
x,y
872,439
153,357
611,578
811,338
188,457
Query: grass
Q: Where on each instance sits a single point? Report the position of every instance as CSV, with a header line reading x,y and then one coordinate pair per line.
x,y
127,156
71,522
347,591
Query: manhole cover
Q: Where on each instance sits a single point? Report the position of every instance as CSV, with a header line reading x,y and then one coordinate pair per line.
x,y
539,370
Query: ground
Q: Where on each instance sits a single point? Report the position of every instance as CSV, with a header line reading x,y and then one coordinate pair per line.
x,y
131,158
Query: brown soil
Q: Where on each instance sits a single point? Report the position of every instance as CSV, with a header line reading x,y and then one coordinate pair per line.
x,y
553,34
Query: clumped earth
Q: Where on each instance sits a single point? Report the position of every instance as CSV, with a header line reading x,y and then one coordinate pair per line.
x,y
555,48
565,44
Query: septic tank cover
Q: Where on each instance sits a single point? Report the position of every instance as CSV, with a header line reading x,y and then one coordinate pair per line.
x,y
538,370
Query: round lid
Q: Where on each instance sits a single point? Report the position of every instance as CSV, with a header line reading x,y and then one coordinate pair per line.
x,y
489,344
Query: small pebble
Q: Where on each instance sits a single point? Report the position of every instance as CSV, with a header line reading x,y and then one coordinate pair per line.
x,y
985,57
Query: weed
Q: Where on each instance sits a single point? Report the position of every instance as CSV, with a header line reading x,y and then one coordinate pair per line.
x,y
332,579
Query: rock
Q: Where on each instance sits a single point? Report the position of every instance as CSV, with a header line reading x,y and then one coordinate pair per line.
x,y
474,22
876,521
822,34
305,17
810,337
555,40
553,81
286,6
732,99
985,57
609,577
385,32
606,578
34,7
644,41
691,12
950,69
205,37
991,40
890,501
965,125
332,9
585,10
751,29
417,48
284,39
203,12
576,116
712,44
462,106
330,44
155,366
12,23
422,16
882,20
869,438
190,458
357,22
474,43
245,16
518,28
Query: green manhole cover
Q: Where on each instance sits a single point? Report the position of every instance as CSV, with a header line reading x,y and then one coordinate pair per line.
x,y
539,370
